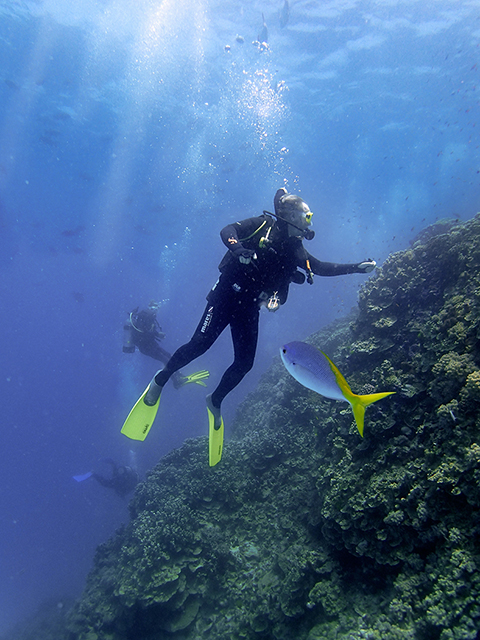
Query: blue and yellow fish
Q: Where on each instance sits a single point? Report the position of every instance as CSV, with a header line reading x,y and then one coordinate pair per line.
x,y
314,370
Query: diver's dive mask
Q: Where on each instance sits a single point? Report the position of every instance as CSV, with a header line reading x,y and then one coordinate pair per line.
x,y
294,211
297,213
307,233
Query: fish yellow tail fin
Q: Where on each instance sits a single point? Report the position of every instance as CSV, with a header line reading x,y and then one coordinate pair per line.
x,y
360,403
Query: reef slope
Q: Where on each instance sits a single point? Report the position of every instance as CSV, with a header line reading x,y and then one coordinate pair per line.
x,y
306,531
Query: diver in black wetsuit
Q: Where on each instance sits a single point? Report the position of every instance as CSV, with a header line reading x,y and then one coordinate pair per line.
x,y
263,258
143,331
123,480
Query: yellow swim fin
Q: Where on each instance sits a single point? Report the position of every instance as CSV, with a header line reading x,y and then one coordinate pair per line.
x,y
196,378
215,434
140,419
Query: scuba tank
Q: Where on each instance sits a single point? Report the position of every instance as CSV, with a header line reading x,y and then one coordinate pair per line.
x,y
128,344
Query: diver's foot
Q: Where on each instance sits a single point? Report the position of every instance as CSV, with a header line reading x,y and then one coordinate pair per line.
x,y
153,393
215,411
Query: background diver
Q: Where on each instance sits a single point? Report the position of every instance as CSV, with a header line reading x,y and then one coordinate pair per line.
x,y
264,256
123,480
142,331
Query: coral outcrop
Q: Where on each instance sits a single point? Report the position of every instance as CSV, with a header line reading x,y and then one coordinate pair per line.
x,y
305,530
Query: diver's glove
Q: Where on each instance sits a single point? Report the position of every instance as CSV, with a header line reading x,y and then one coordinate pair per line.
x,y
366,266
194,378
297,277
245,256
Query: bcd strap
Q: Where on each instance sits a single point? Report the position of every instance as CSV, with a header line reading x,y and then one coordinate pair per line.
x,y
309,272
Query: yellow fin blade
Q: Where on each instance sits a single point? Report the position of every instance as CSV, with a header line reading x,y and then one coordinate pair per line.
x,y
196,378
140,419
215,440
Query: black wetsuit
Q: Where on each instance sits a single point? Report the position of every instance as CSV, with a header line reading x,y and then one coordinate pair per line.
x,y
148,344
146,334
241,289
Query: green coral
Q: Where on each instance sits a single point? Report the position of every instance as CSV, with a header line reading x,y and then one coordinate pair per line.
x,y
470,394
451,372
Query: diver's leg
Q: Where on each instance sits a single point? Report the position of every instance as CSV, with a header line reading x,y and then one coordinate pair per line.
x,y
244,328
153,349
213,322
105,482
150,347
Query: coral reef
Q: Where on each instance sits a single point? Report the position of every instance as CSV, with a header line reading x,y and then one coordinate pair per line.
x,y
305,530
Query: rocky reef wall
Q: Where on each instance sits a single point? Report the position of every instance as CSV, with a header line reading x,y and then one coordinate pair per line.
x,y
305,530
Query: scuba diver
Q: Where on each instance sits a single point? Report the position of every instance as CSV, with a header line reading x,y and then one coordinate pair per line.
x,y
143,331
264,256
123,480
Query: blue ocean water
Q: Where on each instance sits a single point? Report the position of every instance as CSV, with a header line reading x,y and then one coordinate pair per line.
x,y
131,132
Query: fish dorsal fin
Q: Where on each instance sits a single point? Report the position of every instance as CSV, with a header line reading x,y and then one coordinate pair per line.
x,y
342,383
